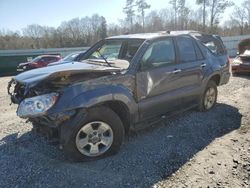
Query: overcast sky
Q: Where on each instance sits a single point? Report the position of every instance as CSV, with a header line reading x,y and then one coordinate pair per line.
x,y
17,14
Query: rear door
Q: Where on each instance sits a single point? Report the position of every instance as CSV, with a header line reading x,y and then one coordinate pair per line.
x,y
192,64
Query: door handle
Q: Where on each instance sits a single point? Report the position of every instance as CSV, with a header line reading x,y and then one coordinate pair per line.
x,y
203,65
176,71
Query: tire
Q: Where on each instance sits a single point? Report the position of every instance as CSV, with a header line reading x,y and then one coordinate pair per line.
x,y
203,106
99,119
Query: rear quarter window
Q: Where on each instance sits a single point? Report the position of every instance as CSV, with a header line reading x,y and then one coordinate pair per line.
x,y
213,43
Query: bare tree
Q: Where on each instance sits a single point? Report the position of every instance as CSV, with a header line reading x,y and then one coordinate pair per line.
x,y
246,5
204,4
183,13
35,32
130,12
142,5
88,30
239,17
175,9
154,22
216,8
103,28
166,15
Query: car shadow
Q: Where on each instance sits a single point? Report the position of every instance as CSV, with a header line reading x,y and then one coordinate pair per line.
x,y
145,158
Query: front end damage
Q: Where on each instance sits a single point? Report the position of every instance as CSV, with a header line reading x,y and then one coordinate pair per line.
x,y
37,93
44,123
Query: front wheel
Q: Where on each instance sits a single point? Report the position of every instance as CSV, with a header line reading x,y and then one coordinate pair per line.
x,y
94,138
209,97
97,134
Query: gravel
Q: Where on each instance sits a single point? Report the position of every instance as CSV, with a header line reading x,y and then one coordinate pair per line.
x,y
191,149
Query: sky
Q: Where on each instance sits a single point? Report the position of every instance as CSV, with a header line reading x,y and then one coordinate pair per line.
x,y
17,14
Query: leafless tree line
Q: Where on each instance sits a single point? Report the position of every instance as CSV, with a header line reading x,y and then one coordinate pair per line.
x,y
73,33
139,18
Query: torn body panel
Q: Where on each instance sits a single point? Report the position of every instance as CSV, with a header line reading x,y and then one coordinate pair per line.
x,y
77,88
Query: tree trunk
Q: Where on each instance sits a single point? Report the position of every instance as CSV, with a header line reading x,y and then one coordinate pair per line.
x,y
143,20
212,17
204,15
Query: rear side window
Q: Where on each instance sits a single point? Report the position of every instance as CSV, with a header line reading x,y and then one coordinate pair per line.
x,y
186,49
43,59
47,59
54,58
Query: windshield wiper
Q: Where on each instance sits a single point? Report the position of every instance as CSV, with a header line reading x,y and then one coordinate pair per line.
x,y
98,50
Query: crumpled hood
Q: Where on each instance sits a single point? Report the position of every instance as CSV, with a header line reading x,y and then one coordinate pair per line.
x,y
34,76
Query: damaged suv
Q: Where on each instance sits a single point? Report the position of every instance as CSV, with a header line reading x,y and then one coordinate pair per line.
x,y
121,83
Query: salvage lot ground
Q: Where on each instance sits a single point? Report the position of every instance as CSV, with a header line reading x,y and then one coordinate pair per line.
x,y
189,150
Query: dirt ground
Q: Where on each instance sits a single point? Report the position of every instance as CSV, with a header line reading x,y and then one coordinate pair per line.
x,y
192,149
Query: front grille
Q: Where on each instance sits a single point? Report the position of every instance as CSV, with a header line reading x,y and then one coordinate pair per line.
x,y
17,91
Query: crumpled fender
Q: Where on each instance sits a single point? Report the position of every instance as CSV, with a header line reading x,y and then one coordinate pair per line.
x,y
79,97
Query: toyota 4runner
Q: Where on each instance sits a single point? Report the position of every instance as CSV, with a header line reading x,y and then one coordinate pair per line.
x,y
119,84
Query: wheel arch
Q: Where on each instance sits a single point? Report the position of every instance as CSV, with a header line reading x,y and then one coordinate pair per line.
x,y
119,99
216,78
122,110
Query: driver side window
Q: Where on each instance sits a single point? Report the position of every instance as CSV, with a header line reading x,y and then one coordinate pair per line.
x,y
160,53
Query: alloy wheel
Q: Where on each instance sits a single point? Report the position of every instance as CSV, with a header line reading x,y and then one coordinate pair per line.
x,y
210,97
94,138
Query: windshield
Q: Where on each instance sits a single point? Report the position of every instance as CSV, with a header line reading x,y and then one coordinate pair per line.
x,y
35,59
114,52
71,56
109,50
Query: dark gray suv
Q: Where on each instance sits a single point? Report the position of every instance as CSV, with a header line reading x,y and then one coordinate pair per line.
x,y
119,84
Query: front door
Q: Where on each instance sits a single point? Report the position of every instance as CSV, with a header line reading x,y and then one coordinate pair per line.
x,y
158,78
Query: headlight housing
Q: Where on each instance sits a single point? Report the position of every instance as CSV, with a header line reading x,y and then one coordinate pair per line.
x,y
36,105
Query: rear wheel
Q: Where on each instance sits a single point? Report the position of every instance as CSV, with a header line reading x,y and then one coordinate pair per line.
x,y
209,97
96,135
